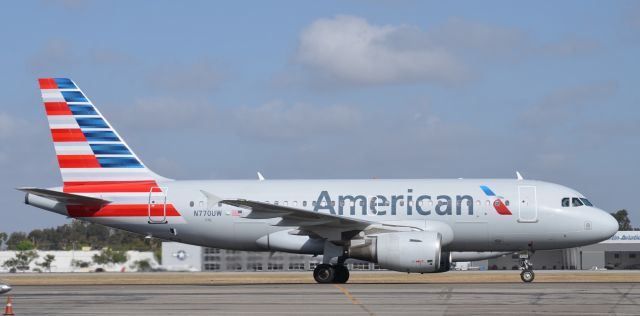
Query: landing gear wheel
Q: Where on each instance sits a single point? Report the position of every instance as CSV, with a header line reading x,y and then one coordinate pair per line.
x,y
527,275
324,273
342,274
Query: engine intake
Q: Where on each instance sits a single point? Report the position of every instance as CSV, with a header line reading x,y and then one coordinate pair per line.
x,y
402,251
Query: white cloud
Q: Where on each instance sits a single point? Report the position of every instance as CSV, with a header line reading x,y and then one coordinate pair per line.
x,y
350,49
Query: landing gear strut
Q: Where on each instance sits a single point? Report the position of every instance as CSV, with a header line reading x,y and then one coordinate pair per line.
x,y
527,274
326,273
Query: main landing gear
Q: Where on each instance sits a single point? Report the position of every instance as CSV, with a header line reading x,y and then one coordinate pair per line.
x,y
527,274
327,273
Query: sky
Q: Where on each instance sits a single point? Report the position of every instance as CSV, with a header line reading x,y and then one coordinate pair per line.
x,y
333,89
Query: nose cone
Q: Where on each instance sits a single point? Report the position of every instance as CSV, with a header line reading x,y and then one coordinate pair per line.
x,y
608,225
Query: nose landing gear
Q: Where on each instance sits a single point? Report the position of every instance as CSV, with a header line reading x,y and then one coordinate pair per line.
x,y
527,274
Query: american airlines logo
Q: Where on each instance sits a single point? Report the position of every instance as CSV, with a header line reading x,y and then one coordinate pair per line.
x,y
408,204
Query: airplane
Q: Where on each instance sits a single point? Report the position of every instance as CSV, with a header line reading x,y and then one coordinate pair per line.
x,y
4,288
410,225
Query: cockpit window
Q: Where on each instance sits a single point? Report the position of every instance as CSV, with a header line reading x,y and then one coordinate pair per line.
x,y
576,202
586,202
566,202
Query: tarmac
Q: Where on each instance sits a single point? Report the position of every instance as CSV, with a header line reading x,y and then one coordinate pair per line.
x,y
330,299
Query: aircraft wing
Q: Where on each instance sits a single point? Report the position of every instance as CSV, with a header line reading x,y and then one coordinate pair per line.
x,y
67,198
324,225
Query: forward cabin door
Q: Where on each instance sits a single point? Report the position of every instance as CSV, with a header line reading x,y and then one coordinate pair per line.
x,y
527,204
158,205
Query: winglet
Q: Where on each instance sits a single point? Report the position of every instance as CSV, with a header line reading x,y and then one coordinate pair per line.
x,y
519,176
260,176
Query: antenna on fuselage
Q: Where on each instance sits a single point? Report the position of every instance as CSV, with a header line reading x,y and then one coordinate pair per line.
x,y
519,176
260,176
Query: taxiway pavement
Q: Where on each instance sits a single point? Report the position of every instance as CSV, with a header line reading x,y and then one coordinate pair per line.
x,y
320,299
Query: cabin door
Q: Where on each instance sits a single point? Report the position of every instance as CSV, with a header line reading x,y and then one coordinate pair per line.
x,y
527,204
158,205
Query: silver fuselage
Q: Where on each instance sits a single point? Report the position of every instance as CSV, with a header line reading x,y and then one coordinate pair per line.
x,y
457,208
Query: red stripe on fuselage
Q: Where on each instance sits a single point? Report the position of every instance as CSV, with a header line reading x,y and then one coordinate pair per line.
x,y
57,108
121,210
47,83
78,161
68,135
111,186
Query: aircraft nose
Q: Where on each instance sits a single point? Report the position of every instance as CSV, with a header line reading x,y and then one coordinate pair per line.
x,y
608,225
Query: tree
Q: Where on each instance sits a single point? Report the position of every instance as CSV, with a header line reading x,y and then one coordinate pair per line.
x,y
624,223
14,239
141,265
80,263
25,245
46,264
108,256
21,261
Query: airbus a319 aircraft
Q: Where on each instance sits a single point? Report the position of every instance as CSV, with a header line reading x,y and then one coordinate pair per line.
x,y
414,226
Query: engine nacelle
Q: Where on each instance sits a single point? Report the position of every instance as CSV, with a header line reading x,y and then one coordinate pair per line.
x,y
417,252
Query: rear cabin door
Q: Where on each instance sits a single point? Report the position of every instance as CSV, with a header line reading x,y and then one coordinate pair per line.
x,y
158,205
527,204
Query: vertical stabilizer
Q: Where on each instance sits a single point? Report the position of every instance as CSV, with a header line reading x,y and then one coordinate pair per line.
x,y
88,148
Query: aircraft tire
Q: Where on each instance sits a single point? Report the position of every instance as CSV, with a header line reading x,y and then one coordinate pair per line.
x,y
527,276
342,274
324,273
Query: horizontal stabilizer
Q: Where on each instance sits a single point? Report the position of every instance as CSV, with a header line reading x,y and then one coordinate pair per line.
x,y
67,198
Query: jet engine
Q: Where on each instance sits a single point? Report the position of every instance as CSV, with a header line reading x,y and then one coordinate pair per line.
x,y
417,252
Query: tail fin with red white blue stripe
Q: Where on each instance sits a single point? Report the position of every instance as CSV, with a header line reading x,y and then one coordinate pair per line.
x,y
89,150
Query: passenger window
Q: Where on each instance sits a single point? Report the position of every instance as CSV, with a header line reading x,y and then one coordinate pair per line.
x,y
313,203
565,202
506,202
576,202
275,202
304,203
191,204
586,202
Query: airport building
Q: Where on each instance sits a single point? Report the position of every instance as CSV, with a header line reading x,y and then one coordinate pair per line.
x,y
182,257
622,251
